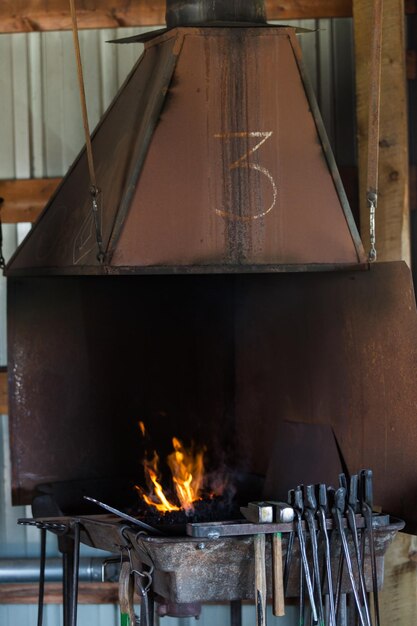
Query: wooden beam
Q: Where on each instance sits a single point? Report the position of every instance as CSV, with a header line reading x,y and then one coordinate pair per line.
x,y
89,593
25,199
4,404
41,15
393,227
398,598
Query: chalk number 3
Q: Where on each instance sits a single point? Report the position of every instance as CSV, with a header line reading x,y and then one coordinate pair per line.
x,y
245,163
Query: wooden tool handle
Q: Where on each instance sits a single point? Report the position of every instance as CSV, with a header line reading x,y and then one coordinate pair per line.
x,y
278,584
260,580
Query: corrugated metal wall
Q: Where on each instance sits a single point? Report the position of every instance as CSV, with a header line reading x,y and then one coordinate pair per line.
x,y
41,134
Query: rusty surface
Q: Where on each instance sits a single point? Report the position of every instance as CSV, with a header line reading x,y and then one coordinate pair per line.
x,y
90,357
194,570
233,191
213,155
220,359
64,234
338,350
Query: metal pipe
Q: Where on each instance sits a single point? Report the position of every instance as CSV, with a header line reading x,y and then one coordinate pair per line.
x,y
27,570
189,12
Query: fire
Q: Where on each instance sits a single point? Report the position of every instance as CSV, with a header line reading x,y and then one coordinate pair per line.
x,y
187,469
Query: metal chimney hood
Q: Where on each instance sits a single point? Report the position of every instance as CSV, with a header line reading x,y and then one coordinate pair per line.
x,y
212,158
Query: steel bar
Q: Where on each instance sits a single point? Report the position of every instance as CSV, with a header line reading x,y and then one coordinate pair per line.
x,y
367,511
67,569
298,508
288,558
322,513
20,571
125,516
338,518
74,585
236,613
309,512
42,577
354,531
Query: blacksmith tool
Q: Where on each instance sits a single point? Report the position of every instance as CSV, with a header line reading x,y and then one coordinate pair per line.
x,y
259,513
351,511
290,546
125,516
283,513
322,513
126,591
299,509
291,500
338,591
310,507
337,511
367,505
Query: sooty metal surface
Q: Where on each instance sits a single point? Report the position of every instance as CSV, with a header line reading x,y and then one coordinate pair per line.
x,y
190,570
223,360
188,12
212,158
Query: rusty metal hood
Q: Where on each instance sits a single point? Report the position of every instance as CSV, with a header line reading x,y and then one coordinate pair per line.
x,y
212,158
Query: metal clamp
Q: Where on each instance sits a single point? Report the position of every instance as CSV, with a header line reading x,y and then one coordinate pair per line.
x,y
373,201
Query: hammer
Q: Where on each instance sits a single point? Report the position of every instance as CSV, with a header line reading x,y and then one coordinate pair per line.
x,y
259,513
283,514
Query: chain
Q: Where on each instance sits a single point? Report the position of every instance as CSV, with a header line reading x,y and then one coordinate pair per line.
x,y
372,200
95,193
2,261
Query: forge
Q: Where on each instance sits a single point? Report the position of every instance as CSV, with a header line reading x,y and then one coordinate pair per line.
x,y
231,303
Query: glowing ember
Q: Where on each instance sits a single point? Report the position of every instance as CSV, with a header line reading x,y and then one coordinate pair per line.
x,y
187,469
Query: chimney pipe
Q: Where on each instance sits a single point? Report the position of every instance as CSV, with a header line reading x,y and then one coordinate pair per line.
x,y
189,12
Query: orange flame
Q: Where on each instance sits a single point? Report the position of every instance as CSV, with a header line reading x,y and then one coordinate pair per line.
x,y
142,428
187,470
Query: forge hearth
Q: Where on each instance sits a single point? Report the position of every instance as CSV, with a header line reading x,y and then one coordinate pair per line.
x,y
187,570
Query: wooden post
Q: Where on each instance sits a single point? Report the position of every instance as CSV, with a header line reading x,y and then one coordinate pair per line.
x,y
398,598
392,218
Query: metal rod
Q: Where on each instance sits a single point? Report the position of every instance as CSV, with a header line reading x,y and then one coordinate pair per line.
x,y
236,613
328,565
42,577
125,516
352,524
67,567
19,571
367,512
74,586
288,558
338,518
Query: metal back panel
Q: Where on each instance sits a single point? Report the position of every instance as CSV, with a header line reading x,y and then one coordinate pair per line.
x,y
223,360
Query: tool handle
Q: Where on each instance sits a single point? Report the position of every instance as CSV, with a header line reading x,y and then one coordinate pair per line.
x,y
310,501
127,610
278,584
260,580
353,492
367,488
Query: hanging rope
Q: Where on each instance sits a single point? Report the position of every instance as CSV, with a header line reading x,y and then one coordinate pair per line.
x,y
94,190
374,121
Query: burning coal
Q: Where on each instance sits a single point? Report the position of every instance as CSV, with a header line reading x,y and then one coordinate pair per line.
x,y
190,482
